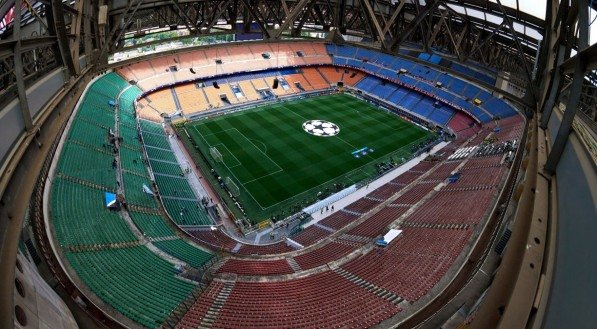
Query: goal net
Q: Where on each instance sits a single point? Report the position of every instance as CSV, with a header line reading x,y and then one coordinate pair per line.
x,y
232,187
216,154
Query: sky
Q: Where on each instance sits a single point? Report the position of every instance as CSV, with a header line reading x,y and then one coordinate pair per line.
x,y
537,8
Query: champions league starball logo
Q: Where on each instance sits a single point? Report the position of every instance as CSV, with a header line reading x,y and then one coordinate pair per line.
x,y
321,128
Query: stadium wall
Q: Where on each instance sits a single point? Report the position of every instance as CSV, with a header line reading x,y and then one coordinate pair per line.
x,y
11,119
574,253
22,159
549,260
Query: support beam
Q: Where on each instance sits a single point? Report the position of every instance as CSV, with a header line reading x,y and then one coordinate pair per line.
x,y
36,15
397,11
525,64
589,55
398,39
20,76
375,26
252,11
63,40
217,13
341,15
478,46
189,23
290,18
75,30
458,43
88,11
575,90
553,89
437,28
111,40
566,125
285,8
296,31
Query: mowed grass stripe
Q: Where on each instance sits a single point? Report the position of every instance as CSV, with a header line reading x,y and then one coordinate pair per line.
x,y
306,162
243,150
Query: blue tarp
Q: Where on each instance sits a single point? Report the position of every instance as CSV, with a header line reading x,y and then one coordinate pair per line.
x,y
110,199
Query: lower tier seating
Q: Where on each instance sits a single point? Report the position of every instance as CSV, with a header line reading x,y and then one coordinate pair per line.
x,y
215,238
323,255
310,235
185,252
186,212
152,226
256,267
275,248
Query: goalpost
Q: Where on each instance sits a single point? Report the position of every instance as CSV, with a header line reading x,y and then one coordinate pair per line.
x,y
213,151
232,187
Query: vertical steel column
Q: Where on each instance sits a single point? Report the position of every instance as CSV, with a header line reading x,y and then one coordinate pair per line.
x,y
575,89
87,13
18,62
75,29
61,34
554,88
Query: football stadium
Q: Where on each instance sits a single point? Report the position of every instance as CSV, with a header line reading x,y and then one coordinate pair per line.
x,y
298,164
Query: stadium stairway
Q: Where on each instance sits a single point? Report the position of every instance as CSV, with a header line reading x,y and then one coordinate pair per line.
x,y
176,100
385,294
293,264
214,310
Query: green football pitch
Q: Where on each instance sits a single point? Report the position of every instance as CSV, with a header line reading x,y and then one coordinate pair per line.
x,y
277,166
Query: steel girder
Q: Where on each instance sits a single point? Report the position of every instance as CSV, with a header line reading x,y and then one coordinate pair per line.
x,y
39,40
18,70
570,27
53,36
377,19
436,25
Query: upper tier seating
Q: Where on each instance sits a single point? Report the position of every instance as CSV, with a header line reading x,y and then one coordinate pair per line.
x,y
457,92
134,281
99,243
156,72
80,217
460,92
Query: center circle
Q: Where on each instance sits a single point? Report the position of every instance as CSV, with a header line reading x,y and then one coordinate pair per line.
x,y
321,128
